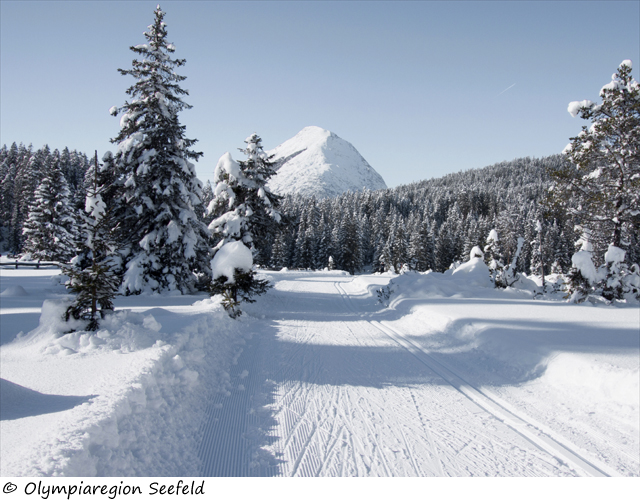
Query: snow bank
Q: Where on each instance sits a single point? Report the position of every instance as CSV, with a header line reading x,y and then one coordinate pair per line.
x,y
470,279
127,401
474,273
601,380
574,369
14,291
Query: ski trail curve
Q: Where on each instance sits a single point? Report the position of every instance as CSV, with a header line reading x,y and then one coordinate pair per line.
x,y
538,434
321,389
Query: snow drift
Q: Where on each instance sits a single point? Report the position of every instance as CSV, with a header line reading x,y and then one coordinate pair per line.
x,y
138,406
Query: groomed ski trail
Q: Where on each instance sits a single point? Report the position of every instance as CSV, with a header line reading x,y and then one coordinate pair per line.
x,y
321,390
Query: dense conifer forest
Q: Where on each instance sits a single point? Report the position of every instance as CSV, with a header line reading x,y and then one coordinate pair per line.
x,y
433,223
22,171
424,225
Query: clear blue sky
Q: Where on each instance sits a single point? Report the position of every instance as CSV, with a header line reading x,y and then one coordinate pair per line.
x,y
419,88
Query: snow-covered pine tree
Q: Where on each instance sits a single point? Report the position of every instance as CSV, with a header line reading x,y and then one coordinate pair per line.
x,y
400,250
280,255
349,241
551,246
167,244
417,246
8,171
537,253
27,177
494,260
606,157
207,198
603,178
93,273
240,206
444,255
48,230
264,205
583,273
323,247
385,259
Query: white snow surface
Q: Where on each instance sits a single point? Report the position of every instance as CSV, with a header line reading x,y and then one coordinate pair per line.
x,y
474,272
319,379
121,402
316,162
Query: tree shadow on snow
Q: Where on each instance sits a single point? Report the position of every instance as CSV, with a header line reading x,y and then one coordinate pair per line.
x,y
239,427
498,351
17,401
240,433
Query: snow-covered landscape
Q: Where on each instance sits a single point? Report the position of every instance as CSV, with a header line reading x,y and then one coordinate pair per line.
x,y
293,316
318,378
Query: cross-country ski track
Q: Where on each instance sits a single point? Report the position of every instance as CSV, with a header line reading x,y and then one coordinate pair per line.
x,y
329,386
447,376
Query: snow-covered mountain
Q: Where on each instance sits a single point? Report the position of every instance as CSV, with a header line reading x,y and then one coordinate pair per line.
x,y
318,162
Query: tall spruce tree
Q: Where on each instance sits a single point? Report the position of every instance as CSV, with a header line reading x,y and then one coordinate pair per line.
x,y
8,171
600,186
264,205
28,176
166,241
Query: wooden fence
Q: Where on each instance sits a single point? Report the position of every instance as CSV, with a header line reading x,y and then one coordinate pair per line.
x,y
37,265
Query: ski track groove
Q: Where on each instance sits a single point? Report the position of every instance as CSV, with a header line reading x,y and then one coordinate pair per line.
x,y
434,450
409,452
544,439
512,418
225,446
322,428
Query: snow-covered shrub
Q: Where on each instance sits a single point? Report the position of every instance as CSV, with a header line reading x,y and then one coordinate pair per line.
x,y
583,273
619,281
384,294
501,276
614,280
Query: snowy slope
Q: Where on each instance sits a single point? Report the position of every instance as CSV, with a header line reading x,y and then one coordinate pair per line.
x,y
318,163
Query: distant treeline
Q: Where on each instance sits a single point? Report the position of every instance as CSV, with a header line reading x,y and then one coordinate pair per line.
x,y
424,225
21,171
432,224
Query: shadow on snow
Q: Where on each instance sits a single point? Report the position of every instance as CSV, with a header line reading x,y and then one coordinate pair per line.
x,y
17,401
